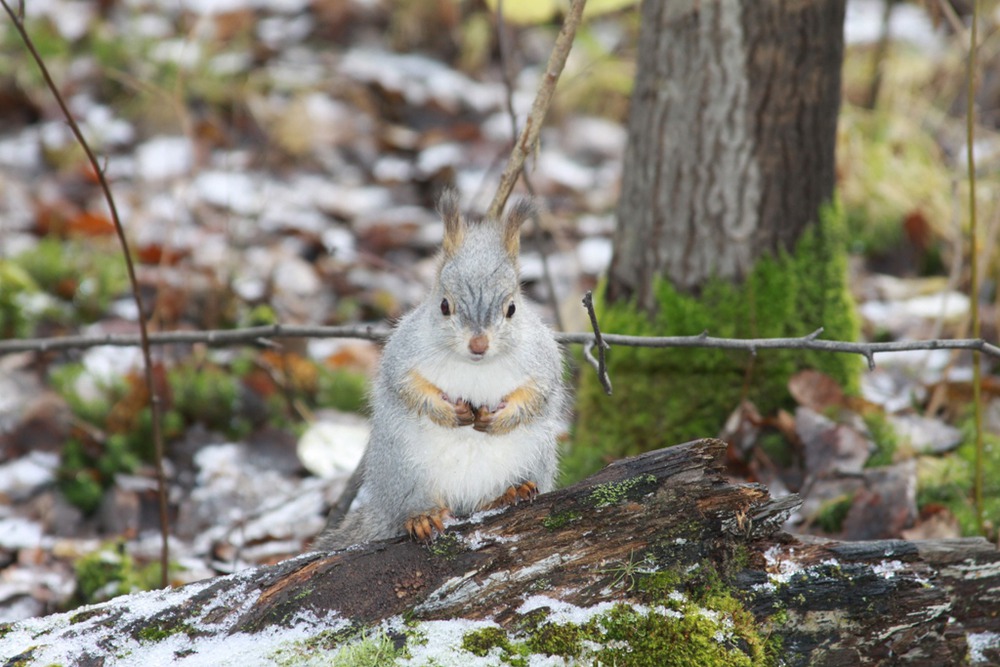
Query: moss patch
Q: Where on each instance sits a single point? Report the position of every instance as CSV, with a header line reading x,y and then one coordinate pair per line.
x,y
110,572
554,522
332,649
667,396
612,493
686,616
159,631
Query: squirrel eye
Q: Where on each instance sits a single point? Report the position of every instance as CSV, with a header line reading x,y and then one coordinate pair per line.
x,y
445,307
510,310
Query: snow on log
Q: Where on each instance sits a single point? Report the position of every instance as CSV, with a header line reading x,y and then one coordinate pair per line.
x,y
655,560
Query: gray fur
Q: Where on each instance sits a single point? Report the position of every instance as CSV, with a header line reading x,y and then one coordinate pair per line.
x,y
411,465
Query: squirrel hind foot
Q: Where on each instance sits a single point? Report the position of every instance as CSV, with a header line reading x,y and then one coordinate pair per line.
x,y
423,527
526,491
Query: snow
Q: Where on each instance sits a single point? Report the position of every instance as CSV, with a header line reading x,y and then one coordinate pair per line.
x,y
564,612
105,364
165,157
907,23
979,643
594,254
22,477
236,191
19,533
328,449
888,569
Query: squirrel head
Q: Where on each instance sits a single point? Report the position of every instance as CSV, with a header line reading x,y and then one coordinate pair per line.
x,y
478,283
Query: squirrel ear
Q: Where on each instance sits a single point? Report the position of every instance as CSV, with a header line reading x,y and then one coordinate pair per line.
x,y
454,229
518,213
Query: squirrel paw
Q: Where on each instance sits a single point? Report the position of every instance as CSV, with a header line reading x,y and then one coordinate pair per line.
x,y
465,414
514,495
484,418
423,527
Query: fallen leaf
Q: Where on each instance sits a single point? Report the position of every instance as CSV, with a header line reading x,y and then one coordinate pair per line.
x,y
815,390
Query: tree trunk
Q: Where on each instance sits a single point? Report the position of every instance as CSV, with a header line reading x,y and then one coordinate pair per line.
x,y
726,221
731,138
672,563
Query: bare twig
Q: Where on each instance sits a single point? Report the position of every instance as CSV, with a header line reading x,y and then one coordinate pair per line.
x,y
539,231
533,125
264,335
970,128
17,19
601,363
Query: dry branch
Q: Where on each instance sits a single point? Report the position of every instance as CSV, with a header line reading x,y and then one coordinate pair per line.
x,y
266,335
526,141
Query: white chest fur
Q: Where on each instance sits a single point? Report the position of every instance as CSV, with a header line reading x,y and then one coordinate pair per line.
x,y
486,382
465,468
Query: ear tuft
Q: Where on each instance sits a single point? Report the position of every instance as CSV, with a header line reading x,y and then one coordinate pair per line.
x,y
512,221
454,229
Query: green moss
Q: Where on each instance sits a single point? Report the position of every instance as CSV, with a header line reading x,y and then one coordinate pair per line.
x,y
558,520
109,572
884,436
831,514
948,481
612,493
481,641
342,389
446,546
668,396
564,639
688,616
159,631
335,649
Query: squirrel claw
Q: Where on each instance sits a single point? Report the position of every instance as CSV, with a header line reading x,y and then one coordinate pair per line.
x,y
514,495
423,527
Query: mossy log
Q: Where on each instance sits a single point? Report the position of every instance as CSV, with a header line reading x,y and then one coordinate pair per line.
x,y
665,533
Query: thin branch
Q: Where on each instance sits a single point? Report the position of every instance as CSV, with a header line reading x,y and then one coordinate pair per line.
x,y
533,125
809,342
154,401
977,409
601,363
536,218
265,335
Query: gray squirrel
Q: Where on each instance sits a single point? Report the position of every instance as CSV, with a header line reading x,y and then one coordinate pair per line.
x,y
469,396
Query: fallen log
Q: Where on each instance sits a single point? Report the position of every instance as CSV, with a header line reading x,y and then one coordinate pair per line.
x,y
655,560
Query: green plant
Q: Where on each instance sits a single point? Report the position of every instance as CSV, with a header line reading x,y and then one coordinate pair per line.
x,y
694,390
109,572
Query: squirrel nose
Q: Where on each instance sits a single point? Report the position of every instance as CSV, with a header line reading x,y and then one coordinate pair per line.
x,y
478,344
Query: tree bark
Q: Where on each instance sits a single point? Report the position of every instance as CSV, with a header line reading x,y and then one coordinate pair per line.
x,y
671,510
731,138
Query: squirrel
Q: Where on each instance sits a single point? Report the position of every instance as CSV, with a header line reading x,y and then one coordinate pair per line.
x,y
468,399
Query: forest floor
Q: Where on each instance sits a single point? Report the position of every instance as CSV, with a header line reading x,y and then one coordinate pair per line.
x,y
278,160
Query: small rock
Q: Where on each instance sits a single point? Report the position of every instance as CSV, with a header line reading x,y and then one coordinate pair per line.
x,y
926,435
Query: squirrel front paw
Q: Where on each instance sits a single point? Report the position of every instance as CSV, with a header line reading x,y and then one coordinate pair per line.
x,y
423,527
519,407
485,420
451,413
465,414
